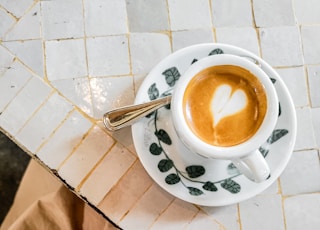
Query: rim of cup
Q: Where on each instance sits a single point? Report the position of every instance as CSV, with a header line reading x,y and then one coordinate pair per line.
x,y
205,149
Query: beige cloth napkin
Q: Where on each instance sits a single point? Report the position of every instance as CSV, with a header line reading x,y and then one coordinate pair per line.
x,y
60,210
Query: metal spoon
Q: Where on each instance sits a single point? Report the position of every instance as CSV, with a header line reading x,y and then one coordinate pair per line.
x,y
125,116
122,117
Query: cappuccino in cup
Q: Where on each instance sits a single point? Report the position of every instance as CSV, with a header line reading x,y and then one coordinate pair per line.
x,y
224,105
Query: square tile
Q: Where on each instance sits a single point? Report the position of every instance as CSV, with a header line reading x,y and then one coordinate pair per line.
x,y
62,19
306,12
310,36
301,212
125,194
262,212
108,56
231,13
181,39
6,59
244,37
6,21
68,135
16,7
84,158
113,166
147,15
110,93
105,17
315,112
195,14
65,59
302,175
314,82
269,13
305,134
78,91
295,80
42,124
146,50
12,80
280,46
24,105
147,209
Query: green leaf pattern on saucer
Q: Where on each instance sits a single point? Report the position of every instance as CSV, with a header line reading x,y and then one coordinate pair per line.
x,y
193,173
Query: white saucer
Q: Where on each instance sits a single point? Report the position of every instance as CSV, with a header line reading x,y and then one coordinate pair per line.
x,y
191,177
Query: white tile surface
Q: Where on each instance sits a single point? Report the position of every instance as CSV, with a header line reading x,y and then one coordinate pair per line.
x,y
105,17
78,91
24,105
195,14
6,21
142,16
110,93
296,81
153,202
23,49
91,150
6,59
68,135
301,212
315,112
16,7
306,12
310,36
65,59
110,170
244,37
108,56
231,13
280,46
176,216
262,212
314,82
302,165
181,39
28,27
227,216
12,80
269,13
41,125
203,221
146,50
62,19
129,189
305,134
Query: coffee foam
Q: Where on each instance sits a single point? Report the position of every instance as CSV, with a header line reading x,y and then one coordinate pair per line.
x,y
225,102
224,105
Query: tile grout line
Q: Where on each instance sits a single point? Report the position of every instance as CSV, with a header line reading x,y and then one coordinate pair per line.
x,y
85,135
85,178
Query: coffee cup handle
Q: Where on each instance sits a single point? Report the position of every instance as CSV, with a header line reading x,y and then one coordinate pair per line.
x,y
253,166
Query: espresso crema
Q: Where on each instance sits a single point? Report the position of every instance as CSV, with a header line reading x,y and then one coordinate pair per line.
x,y
224,105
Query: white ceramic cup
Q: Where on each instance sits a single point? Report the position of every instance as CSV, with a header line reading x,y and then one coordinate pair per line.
x,y
245,156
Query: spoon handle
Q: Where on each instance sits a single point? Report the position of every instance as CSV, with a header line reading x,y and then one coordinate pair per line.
x,y
125,116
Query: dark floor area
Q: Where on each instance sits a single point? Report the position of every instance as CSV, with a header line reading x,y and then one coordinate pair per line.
x,y
13,162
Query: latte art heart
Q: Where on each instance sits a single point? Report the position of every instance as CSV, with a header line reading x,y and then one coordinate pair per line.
x,y
224,105
225,102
